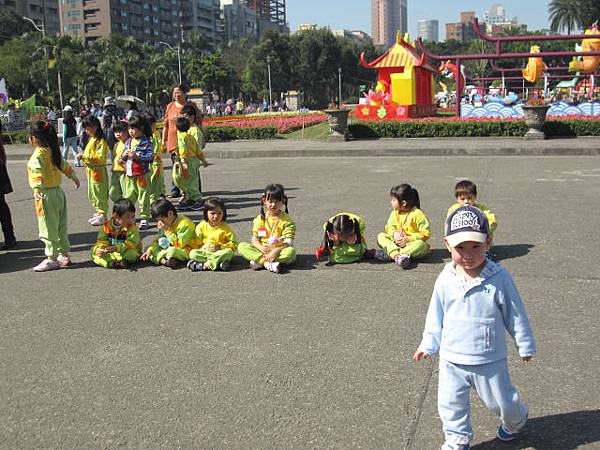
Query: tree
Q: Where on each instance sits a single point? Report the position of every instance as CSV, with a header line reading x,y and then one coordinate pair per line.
x,y
13,25
564,14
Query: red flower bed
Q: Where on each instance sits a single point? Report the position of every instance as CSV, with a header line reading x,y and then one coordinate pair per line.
x,y
284,124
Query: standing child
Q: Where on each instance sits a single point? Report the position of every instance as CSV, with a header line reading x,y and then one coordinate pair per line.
x,y
137,157
45,169
157,177
218,239
185,170
344,240
474,301
117,180
189,112
273,233
176,238
407,229
119,243
465,193
94,159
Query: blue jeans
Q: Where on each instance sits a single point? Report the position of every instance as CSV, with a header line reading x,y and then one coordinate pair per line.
x,y
70,144
493,385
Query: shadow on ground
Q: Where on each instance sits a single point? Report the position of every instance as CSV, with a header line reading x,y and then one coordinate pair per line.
x,y
511,251
566,431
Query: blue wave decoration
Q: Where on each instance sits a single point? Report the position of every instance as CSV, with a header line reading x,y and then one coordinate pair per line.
x,y
499,110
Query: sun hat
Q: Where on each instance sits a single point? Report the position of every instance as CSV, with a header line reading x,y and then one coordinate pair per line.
x,y
467,223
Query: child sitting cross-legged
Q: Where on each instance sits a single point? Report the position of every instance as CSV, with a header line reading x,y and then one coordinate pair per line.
x,y
119,243
176,238
218,239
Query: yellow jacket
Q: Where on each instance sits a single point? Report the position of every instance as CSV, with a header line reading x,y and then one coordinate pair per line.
x,y
42,172
217,238
95,153
282,228
413,224
198,135
159,148
117,163
124,238
491,217
186,146
181,234
361,223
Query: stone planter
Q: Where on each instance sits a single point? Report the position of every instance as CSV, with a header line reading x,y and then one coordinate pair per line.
x,y
338,123
535,118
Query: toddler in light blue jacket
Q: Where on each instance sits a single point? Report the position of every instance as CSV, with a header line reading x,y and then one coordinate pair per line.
x,y
474,301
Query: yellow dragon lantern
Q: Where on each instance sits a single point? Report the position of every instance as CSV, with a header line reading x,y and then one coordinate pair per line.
x,y
589,64
535,66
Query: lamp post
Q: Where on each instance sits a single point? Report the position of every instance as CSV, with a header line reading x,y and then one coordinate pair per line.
x,y
42,29
339,87
178,58
270,91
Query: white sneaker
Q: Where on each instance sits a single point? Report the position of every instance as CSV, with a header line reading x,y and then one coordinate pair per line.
x,y
64,260
93,218
381,255
254,265
98,220
452,446
47,265
143,224
272,267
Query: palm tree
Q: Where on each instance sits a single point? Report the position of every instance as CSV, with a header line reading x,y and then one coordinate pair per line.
x,y
564,14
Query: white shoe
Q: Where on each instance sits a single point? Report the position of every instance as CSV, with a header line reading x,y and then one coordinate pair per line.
x,y
47,265
64,260
98,220
143,224
272,267
254,265
452,446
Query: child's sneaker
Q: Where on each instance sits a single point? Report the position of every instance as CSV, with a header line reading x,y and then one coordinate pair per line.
x,y
272,267
193,265
47,265
93,218
173,263
505,435
197,205
120,264
254,265
184,205
321,252
98,220
403,261
452,446
64,260
370,253
143,225
381,255
225,266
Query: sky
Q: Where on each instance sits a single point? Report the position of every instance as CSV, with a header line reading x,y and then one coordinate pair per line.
x,y
356,14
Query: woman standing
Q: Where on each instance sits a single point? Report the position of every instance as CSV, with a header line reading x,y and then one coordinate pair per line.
x,y
169,136
10,241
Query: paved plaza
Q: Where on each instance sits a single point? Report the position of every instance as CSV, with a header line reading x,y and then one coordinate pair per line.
x,y
319,357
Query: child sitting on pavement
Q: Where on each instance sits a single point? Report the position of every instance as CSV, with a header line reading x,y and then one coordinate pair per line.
x,y
474,300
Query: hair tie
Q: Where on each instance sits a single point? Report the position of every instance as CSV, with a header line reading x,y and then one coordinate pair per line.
x,y
46,123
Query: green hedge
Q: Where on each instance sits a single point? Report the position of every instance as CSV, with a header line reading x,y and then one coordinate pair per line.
x,y
15,137
216,134
475,128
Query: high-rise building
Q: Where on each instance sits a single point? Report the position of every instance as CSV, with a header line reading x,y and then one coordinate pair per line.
x,y
239,21
42,12
428,30
273,11
463,30
204,17
387,18
150,22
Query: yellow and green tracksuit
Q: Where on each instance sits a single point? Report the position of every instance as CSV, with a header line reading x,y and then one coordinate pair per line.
x,y
218,244
45,178
182,240
187,181
198,135
138,173
126,239
94,159
348,253
157,176
281,229
117,180
491,217
414,225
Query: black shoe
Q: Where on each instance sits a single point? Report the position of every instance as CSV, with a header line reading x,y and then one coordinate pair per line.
x,y
184,205
173,263
174,194
120,264
193,266
9,245
197,206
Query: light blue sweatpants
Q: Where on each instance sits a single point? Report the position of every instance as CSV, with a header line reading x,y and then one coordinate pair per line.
x,y
493,385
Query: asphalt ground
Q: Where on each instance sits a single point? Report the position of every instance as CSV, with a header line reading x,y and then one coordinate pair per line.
x,y
319,357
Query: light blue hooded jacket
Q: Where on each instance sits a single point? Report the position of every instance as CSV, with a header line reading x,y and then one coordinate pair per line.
x,y
466,320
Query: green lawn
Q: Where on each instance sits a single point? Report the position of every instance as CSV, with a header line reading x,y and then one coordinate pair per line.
x,y
319,131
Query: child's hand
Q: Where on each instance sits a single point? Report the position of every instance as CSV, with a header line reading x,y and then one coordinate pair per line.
x,y
419,356
273,254
146,255
77,183
184,169
101,251
79,156
526,358
38,195
204,163
400,238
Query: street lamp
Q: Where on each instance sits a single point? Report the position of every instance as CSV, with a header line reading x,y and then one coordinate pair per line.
x,y
270,91
178,58
340,87
42,30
